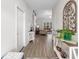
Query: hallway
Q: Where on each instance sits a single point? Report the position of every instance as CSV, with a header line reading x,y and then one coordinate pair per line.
x,y
40,48
55,22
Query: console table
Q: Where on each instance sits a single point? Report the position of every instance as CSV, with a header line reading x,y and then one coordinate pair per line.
x,y
65,45
31,35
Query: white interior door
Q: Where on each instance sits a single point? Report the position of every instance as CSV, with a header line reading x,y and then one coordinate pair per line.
x,y
20,29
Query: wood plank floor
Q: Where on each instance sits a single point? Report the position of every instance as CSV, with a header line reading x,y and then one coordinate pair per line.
x,y
40,48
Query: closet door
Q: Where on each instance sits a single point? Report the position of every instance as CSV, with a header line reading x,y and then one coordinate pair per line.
x,y
20,29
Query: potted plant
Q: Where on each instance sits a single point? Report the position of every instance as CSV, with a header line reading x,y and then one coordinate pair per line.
x,y
66,34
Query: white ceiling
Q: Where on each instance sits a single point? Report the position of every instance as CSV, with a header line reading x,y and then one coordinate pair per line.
x,y
41,4
43,8
44,14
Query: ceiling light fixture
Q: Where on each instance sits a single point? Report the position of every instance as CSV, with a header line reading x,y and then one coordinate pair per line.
x,y
50,17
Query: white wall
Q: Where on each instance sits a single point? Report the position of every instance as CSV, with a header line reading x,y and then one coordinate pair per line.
x,y
9,23
41,21
43,17
57,14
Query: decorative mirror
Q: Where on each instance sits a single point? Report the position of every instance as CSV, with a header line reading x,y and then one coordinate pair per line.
x,y
70,16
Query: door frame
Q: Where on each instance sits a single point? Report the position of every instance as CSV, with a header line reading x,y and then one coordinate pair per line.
x,y
17,7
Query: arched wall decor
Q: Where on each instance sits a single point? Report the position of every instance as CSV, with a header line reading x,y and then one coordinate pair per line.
x,y
70,16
